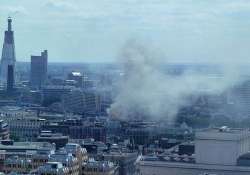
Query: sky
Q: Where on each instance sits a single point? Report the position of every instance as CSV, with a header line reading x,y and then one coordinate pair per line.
x,y
96,30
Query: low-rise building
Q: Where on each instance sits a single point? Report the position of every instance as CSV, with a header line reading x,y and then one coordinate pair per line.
x,y
57,138
18,165
4,130
41,157
220,151
67,160
124,159
53,168
93,167
23,149
26,129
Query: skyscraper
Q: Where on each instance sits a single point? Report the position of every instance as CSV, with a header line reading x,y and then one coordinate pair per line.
x,y
8,53
10,78
38,74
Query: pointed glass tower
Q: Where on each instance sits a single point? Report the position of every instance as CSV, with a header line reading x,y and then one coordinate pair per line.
x,y
8,53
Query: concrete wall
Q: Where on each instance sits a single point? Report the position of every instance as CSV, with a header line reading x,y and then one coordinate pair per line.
x,y
216,152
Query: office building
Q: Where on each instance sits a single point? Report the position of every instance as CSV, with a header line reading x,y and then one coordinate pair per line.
x,y
76,129
55,93
9,148
38,70
26,129
92,102
8,53
220,151
58,139
74,101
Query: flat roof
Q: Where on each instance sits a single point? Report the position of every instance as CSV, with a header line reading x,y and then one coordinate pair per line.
x,y
181,165
225,134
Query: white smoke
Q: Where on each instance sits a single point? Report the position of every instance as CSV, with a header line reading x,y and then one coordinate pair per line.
x,y
147,91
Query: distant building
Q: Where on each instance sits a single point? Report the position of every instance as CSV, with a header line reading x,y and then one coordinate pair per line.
x,y
92,102
83,102
55,93
16,159
124,160
40,157
4,130
8,53
17,164
10,79
31,97
26,129
38,71
53,168
76,129
240,98
74,101
93,167
77,77
67,160
78,152
56,138
9,148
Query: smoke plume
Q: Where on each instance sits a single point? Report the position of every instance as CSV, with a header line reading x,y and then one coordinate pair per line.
x,y
148,91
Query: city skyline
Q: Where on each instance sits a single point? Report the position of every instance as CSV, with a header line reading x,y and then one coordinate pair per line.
x,y
78,31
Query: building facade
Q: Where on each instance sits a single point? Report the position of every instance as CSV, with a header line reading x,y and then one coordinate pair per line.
x,y
38,71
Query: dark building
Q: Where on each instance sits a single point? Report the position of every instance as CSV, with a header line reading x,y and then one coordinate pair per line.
x,y
10,78
8,53
75,129
52,94
38,73
58,139
140,133
186,148
125,161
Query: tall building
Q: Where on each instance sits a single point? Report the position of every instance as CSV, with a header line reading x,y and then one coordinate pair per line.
x,y
10,78
38,74
8,53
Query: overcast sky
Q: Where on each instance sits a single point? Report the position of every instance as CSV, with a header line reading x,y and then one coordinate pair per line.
x,y
96,30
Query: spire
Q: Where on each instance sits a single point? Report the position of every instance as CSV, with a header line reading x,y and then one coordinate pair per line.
x,y
9,23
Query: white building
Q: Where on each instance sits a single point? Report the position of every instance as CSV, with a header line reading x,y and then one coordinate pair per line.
x,y
221,147
220,151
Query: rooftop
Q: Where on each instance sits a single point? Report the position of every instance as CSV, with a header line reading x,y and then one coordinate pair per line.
x,y
222,133
76,74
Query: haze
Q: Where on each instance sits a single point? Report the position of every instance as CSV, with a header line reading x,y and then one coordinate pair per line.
x,y
94,30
